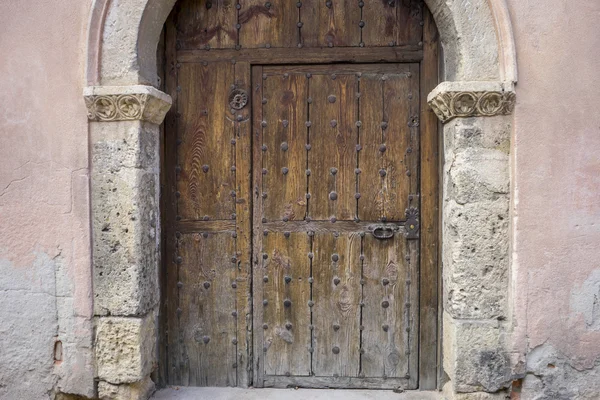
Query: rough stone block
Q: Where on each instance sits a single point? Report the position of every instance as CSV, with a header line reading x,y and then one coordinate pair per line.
x,y
476,250
124,144
449,394
474,357
125,348
126,242
141,390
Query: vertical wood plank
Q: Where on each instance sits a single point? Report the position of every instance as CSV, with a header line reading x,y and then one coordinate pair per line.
x,y
258,270
385,315
284,158
271,24
332,158
336,310
396,137
333,26
206,300
381,27
173,375
202,23
286,325
409,21
429,208
206,128
243,242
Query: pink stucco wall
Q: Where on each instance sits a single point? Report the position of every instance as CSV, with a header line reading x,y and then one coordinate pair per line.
x,y
45,279
556,172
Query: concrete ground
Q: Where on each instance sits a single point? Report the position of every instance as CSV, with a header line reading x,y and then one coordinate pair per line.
x,y
185,393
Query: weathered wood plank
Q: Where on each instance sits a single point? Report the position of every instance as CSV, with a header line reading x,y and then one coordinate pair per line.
x,y
330,24
412,53
396,186
336,310
409,26
258,270
203,23
380,19
206,154
207,298
285,138
286,316
271,24
333,137
329,382
243,227
328,226
385,316
430,218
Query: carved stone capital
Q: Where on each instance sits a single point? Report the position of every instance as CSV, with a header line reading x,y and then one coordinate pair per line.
x,y
471,99
126,103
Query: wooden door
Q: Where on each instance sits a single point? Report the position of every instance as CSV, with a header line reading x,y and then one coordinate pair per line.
x,y
300,196
336,157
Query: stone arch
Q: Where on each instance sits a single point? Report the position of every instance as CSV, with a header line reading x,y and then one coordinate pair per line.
x,y
474,103
123,35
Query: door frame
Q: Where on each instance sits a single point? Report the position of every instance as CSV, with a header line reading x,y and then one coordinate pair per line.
x,y
426,54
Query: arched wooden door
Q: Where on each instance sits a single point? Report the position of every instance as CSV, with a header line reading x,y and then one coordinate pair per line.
x,y
301,194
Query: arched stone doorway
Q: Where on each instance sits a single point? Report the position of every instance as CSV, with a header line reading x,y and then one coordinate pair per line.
x,y
125,110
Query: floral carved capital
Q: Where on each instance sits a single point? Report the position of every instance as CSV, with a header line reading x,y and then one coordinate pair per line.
x,y
471,99
126,103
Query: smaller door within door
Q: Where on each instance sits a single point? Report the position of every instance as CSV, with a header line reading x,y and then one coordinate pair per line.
x,y
336,249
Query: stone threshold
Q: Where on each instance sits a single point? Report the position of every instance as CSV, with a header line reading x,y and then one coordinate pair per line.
x,y
210,393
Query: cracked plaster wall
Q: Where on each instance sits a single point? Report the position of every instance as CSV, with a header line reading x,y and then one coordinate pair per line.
x,y
556,226
45,262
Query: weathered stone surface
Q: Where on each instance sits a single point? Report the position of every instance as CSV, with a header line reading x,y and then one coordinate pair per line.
x,y
125,348
141,390
476,250
449,394
124,217
475,358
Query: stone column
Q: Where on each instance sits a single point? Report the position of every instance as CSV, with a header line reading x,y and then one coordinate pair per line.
x,y
124,139
475,235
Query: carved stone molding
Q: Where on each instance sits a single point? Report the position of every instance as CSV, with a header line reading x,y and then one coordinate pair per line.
x,y
471,99
126,103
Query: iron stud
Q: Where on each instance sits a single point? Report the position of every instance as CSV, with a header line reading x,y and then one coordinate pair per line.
x,y
233,168
333,76
265,256
357,196
288,279
264,101
268,5
233,260
310,350
265,302
299,24
234,341
308,75
310,255
310,304
205,168
285,219
382,148
336,327
362,304
382,172
234,235
363,282
308,172
308,124
179,311
264,220
284,170
206,339
285,123
333,220
268,45
287,303
359,123
308,147
409,150
264,195
265,326
264,171
286,234
385,304
361,4
336,350
335,257
206,285
336,234
358,147
361,24
234,285
333,196
311,280
384,125
299,4
234,313
336,281
308,195
362,257
179,285
299,45
265,279
204,235
311,233
385,328
333,171
357,171
177,194
361,44
329,44
179,260
331,98
407,173
264,76
328,4
333,123
385,281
